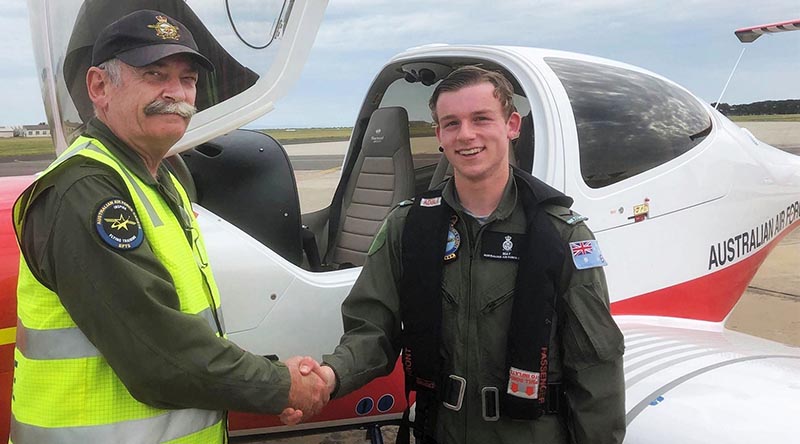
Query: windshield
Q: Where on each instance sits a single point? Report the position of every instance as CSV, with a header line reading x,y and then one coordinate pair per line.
x,y
241,37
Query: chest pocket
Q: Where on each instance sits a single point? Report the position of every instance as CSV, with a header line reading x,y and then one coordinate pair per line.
x,y
493,285
496,265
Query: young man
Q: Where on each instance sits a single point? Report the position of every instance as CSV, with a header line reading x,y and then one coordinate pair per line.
x,y
120,335
505,334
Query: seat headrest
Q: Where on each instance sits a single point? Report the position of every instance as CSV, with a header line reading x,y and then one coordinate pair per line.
x,y
523,146
386,132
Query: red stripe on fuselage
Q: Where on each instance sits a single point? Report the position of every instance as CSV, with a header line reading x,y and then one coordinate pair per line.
x,y
10,188
707,298
343,408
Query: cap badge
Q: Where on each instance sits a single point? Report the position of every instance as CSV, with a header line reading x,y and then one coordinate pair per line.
x,y
165,29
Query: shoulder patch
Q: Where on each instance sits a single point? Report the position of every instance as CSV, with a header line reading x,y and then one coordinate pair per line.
x,y
575,218
118,225
586,254
379,241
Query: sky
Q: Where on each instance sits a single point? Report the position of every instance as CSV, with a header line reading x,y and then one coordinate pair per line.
x,y
688,41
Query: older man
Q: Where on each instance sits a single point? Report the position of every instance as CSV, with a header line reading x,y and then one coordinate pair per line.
x,y
120,335
505,330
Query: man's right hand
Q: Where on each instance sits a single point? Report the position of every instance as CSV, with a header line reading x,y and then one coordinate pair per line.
x,y
309,391
310,374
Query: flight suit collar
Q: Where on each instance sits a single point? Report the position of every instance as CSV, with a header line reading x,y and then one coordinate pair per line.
x,y
99,130
504,209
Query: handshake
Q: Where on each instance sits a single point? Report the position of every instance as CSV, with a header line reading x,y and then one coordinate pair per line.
x,y
311,389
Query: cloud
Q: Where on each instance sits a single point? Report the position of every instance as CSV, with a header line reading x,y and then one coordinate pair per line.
x,y
689,41
353,25
16,58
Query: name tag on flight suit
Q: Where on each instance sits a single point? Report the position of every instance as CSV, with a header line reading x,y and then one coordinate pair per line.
x,y
502,246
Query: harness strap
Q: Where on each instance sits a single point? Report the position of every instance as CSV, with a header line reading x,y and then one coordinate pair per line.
x,y
533,313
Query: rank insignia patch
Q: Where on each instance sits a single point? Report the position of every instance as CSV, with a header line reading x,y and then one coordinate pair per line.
x,y
118,225
586,254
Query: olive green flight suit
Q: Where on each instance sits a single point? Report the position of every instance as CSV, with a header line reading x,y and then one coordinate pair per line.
x,y
477,296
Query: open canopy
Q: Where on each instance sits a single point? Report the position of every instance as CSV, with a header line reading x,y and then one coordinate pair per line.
x,y
258,48
750,34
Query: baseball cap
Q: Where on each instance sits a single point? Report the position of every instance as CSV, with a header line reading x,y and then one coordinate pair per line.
x,y
144,37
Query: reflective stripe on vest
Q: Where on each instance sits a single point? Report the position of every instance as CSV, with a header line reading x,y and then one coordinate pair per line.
x,y
172,425
67,343
148,207
64,390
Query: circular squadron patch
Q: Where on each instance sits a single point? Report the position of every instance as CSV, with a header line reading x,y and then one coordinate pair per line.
x,y
118,225
453,240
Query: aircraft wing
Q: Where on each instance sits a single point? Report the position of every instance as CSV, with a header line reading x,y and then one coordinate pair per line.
x,y
750,34
684,376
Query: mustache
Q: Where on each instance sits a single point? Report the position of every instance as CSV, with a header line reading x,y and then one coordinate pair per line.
x,y
159,106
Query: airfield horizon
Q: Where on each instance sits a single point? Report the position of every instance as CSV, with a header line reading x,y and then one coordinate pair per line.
x,y
23,148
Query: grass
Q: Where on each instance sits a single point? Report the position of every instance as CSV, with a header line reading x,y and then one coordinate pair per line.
x,y
17,147
21,147
288,136
767,118
42,147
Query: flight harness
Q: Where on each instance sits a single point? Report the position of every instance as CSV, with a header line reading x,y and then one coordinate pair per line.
x,y
424,240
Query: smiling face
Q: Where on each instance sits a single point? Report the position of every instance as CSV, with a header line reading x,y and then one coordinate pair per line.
x,y
475,133
150,107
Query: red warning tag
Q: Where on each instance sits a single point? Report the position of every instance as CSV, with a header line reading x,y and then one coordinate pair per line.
x,y
523,384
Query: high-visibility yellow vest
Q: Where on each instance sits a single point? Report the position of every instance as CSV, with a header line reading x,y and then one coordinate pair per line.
x,y
64,390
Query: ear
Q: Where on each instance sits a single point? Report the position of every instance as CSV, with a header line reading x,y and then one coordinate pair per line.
x,y
513,125
97,85
438,130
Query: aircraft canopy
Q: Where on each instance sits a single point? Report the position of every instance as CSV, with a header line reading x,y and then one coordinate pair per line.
x,y
258,48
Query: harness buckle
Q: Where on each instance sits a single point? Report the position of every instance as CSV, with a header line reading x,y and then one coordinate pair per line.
x,y
453,393
490,397
555,401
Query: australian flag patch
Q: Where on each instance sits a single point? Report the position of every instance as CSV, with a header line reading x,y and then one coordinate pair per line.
x,y
586,254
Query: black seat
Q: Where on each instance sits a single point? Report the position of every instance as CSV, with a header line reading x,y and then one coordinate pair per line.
x,y
246,178
523,146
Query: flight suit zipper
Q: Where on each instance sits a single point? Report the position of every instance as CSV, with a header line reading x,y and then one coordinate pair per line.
x,y
474,241
175,204
178,210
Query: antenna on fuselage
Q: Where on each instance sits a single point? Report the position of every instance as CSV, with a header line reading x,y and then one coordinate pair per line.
x,y
725,88
749,35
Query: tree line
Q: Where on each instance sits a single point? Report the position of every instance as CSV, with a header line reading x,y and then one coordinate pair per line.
x,y
766,107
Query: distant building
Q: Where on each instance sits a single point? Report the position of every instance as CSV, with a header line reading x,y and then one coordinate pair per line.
x,y
6,132
40,130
